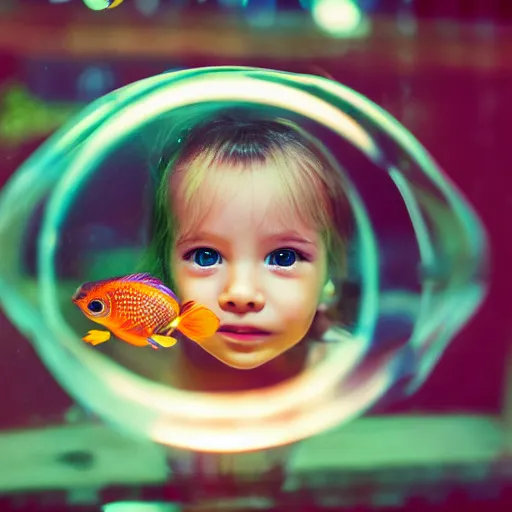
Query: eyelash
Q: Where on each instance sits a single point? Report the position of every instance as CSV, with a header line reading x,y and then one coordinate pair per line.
x,y
301,256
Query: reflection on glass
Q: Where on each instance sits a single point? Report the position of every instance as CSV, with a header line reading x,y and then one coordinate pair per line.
x,y
336,256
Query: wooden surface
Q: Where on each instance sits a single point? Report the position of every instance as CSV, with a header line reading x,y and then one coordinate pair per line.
x,y
53,458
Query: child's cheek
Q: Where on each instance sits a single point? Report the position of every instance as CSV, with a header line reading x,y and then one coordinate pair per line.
x,y
202,289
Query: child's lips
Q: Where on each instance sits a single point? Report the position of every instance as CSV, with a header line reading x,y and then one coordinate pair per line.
x,y
243,329
244,333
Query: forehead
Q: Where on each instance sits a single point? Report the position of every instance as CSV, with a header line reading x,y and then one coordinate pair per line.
x,y
262,195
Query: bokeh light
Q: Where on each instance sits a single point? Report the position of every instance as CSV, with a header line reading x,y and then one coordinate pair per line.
x,y
101,5
339,18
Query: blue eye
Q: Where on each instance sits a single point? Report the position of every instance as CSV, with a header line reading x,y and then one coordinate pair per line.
x,y
282,258
206,257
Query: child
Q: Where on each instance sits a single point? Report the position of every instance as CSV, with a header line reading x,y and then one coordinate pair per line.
x,y
251,220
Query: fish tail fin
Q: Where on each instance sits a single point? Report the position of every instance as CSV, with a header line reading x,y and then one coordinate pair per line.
x,y
197,322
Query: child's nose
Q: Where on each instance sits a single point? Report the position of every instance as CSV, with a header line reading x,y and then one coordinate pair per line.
x,y
242,296
240,304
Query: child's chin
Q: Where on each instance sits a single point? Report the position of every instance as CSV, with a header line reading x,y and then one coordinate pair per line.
x,y
243,361
239,366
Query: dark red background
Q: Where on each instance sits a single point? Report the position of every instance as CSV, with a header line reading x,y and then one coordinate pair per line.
x,y
451,87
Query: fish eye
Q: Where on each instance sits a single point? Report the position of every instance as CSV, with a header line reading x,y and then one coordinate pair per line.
x,y
96,306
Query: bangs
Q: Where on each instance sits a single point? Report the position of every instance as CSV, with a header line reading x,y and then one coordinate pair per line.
x,y
194,191
300,193
303,192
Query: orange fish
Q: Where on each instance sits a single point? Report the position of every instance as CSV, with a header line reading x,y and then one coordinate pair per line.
x,y
139,309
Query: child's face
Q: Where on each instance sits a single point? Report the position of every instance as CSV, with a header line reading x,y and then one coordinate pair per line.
x,y
255,264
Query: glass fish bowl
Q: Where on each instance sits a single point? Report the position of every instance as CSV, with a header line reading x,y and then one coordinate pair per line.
x,y
79,208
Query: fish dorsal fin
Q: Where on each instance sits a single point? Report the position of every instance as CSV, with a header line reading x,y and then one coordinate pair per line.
x,y
150,280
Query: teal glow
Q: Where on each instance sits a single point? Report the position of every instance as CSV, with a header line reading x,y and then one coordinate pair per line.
x,y
323,396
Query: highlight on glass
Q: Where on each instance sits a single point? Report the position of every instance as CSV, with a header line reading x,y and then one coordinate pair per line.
x,y
285,253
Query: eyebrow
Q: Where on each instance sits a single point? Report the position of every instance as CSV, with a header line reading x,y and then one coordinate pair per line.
x,y
194,238
288,237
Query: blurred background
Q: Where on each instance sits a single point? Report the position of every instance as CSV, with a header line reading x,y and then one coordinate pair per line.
x,y
443,68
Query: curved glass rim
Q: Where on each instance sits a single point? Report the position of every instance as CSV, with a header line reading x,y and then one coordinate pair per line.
x,y
158,405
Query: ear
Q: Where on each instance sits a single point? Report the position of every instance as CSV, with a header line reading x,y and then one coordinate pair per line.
x,y
328,292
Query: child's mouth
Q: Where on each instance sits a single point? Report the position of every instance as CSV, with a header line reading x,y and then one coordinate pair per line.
x,y
244,333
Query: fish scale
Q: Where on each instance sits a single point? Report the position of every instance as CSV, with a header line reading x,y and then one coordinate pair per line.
x,y
149,309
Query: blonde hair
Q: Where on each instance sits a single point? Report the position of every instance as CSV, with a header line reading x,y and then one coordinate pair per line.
x,y
314,188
